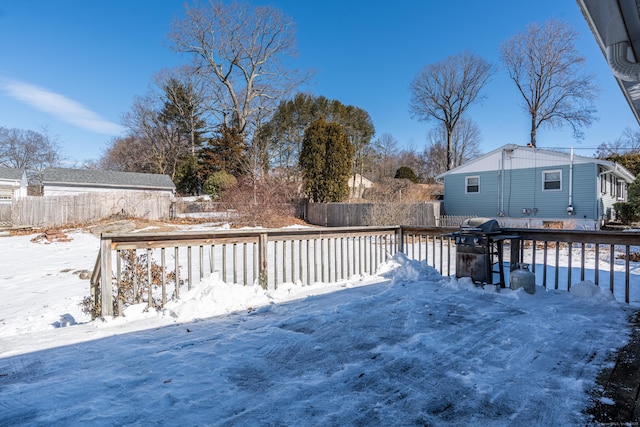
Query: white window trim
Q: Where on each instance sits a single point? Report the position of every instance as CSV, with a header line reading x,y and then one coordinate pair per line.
x,y
620,189
466,184
544,172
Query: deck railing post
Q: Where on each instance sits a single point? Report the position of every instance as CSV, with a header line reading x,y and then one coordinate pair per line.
x,y
514,257
95,282
263,277
106,297
399,240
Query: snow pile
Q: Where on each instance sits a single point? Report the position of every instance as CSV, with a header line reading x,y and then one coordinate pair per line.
x,y
588,289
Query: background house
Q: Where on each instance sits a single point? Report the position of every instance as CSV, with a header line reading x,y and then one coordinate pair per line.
x,y
525,186
63,182
13,184
357,185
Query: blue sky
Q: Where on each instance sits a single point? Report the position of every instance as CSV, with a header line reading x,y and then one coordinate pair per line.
x,y
74,66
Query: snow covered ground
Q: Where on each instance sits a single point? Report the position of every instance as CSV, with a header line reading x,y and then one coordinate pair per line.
x,y
404,347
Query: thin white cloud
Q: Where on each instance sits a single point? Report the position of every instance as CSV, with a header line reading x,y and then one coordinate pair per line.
x,y
61,107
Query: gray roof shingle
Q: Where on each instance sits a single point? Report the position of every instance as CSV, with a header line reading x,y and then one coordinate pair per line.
x,y
11,173
107,179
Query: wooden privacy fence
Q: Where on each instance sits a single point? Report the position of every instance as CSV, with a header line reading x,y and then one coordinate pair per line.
x,y
373,214
169,261
5,212
57,211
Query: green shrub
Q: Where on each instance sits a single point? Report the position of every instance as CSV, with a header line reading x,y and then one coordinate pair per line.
x,y
405,172
218,182
626,212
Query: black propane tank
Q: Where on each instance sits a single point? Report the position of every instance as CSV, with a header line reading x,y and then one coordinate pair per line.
x,y
521,277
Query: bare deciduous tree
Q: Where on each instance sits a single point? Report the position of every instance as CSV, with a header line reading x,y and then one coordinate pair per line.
x,y
125,154
241,50
163,146
549,74
628,142
386,161
443,91
28,150
465,146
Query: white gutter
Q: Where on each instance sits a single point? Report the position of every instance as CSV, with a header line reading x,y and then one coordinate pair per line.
x,y
621,67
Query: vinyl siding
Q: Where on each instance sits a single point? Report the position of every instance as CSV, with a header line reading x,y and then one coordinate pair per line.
x,y
585,191
483,203
523,189
608,197
70,190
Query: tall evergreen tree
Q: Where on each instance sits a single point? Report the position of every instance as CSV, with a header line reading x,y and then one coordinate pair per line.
x,y
184,106
184,109
325,160
224,152
338,162
187,180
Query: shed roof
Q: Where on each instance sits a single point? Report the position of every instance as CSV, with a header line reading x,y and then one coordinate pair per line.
x,y
109,179
11,173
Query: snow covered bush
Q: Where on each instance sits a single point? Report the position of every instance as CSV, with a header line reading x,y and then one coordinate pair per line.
x,y
134,285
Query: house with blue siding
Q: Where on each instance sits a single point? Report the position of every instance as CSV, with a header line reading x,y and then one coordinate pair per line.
x,y
525,186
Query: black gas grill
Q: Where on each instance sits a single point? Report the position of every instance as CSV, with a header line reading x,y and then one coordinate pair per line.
x,y
478,249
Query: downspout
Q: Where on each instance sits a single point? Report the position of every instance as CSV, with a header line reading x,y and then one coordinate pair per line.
x,y
570,207
599,202
501,210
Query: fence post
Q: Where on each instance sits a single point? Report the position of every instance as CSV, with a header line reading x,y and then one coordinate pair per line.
x,y
263,277
105,276
400,239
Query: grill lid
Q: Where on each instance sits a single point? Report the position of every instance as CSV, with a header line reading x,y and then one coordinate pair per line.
x,y
480,225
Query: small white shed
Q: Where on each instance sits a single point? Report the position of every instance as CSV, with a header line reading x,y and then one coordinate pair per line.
x,y
13,184
65,182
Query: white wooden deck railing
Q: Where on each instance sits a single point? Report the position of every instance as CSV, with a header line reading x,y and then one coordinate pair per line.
x,y
268,257
173,261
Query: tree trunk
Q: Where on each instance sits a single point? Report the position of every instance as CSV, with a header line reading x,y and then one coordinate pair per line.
x,y
534,131
450,149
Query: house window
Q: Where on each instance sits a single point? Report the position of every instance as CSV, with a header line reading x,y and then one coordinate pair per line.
x,y
472,184
603,184
611,187
552,180
620,189
5,196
